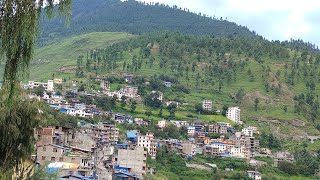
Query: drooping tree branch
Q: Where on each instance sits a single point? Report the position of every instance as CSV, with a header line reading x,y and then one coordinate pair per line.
x,y
19,24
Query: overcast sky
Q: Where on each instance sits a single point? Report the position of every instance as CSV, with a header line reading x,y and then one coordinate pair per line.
x,y
274,19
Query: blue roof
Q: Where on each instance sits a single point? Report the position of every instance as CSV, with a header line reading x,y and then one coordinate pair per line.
x,y
127,174
131,135
69,108
121,145
122,169
54,106
52,170
61,147
122,175
77,176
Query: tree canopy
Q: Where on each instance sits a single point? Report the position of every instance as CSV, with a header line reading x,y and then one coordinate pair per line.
x,y
19,23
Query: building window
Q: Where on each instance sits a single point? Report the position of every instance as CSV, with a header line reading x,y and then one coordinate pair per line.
x,y
43,158
55,150
44,149
53,158
61,159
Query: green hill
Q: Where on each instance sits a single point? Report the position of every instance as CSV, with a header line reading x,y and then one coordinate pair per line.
x,y
232,71
63,54
136,18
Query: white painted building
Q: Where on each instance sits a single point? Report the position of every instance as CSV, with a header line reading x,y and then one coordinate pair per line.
x,y
220,146
254,175
160,94
191,130
162,124
49,86
179,124
238,151
233,114
247,131
130,91
78,112
207,105
147,142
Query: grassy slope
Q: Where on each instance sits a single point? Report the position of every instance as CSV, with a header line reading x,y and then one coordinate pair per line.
x,y
65,53
49,59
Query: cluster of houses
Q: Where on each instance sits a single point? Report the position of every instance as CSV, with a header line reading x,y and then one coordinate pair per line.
x,y
94,152
84,151
239,144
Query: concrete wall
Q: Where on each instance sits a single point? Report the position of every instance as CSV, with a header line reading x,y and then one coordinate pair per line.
x,y
135,159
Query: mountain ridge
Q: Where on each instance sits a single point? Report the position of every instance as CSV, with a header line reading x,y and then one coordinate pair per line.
x,y
136,18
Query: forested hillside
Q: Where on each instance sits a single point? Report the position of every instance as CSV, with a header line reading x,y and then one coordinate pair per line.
x,y
276,87
136,18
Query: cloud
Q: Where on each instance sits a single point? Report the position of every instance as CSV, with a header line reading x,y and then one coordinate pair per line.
x,y
274,19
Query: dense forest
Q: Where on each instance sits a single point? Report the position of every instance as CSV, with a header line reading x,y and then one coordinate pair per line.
x,y
137,18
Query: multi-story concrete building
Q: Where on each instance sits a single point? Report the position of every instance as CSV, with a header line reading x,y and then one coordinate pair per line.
x,y
106,133
82,139
233,114
255,175
238,151
148,142
207,105
191,131
250,143
282,156
105,85
218,128
250,131
48,85
53,153
135,160
162,124
210,150
130,91
52,135
247,131
179,124
160,95
188,148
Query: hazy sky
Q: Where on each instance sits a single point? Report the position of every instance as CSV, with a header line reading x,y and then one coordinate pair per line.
x,y
274,19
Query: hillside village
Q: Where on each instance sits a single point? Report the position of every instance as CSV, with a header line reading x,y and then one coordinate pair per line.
x,y
102,151
135,89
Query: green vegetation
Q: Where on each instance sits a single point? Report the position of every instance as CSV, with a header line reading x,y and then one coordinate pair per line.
x,y
19,115
137,18
59,59
266,80
241,71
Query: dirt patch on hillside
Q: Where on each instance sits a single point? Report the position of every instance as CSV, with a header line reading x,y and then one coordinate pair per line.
x,y
298,123
155,48
249,98
286,96
285,129
68,69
